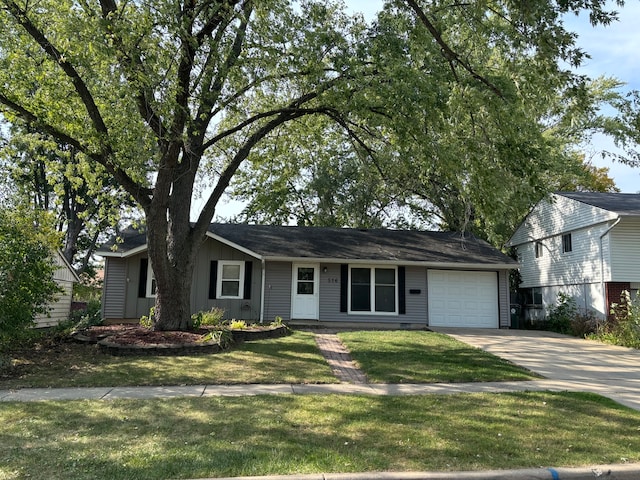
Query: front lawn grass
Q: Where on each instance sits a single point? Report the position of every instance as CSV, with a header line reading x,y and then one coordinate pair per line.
x,y
401,356
291,359
291,434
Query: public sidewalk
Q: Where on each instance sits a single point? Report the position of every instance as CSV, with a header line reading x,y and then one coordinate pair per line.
x,y
113,393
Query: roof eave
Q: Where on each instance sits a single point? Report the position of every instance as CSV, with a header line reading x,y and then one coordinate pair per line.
x,y
417,263
125,254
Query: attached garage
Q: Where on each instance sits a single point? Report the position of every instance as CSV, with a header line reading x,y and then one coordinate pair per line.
x,y
463,299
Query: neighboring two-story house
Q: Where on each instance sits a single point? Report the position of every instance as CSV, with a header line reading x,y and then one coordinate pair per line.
x,y
585,245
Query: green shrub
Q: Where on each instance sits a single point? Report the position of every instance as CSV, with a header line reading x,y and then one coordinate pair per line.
x,y
583,325
27,244
211,318
562,314
146,321
623,325
237,324
277,322
89,317
224,338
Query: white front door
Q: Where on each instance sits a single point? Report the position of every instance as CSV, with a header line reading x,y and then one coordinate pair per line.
x,y
304,291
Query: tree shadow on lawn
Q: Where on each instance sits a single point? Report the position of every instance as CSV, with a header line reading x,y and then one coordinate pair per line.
x,y
223,436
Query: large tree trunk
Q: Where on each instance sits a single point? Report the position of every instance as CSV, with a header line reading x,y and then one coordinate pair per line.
x,y
172,262
173,246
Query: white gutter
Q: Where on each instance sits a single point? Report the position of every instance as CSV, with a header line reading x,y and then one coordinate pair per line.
x,y
604,294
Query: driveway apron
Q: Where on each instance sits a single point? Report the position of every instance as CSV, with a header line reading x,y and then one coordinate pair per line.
x,y
573,363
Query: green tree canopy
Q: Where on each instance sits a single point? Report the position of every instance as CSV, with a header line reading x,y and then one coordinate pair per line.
x,y
86,202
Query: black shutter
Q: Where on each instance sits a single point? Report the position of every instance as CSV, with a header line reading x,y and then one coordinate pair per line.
x,y
142,280
213,279
248,270
344,286
402,299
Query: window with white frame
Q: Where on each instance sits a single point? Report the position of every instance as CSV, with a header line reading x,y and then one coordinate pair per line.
x,y
373,290
230,279
151,282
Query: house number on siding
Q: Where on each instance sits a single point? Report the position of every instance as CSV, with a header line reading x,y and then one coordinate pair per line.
x,y
332,280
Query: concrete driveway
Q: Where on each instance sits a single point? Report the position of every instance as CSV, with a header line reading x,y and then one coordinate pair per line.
x,y
569,363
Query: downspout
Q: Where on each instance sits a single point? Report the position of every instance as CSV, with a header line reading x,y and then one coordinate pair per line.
x,y
264,278
604,293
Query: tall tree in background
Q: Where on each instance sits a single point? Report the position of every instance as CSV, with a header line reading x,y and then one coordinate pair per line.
x,y
86,203
164,92
463,136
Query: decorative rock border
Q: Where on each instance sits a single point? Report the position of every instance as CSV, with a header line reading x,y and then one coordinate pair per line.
x,y
176,349
158,349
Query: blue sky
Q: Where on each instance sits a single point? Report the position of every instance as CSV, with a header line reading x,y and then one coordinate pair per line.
x,y
615,52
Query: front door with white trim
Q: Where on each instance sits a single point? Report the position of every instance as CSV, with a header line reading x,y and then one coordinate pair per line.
x,y
304,291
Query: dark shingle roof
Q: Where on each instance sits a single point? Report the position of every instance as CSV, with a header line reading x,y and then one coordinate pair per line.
x,y
620,203
346,244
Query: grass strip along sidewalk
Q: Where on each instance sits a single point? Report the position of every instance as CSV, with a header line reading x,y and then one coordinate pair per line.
x,y
233,436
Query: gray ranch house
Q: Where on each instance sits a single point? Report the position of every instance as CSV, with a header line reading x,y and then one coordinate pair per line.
x,y
585,245
325,276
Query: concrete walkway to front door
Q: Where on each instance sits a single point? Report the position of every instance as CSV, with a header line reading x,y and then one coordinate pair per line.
x,y
568,362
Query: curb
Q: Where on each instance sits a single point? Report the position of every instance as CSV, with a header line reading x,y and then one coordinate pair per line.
x,y
609,472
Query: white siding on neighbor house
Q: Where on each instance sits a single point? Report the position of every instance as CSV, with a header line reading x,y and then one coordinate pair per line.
x,y
625,251
560,215
582,265
60,308
589,297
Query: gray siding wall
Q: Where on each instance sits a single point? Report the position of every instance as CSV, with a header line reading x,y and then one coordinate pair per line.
x,y
503,299
122,277
277,296
241,309
114,288
136,307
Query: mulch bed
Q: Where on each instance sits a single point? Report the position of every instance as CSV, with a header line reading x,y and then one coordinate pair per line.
x,y
123,339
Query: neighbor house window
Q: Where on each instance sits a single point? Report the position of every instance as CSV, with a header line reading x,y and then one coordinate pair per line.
x,y
533,296
539,249
151,282
230,278
373,290
566,243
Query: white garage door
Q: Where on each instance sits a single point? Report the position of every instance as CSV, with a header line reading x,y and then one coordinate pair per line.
x,y
463,299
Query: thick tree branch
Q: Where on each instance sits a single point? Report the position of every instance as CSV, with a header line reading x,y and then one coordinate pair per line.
x,y
132,60
225,178
209,99
451,56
